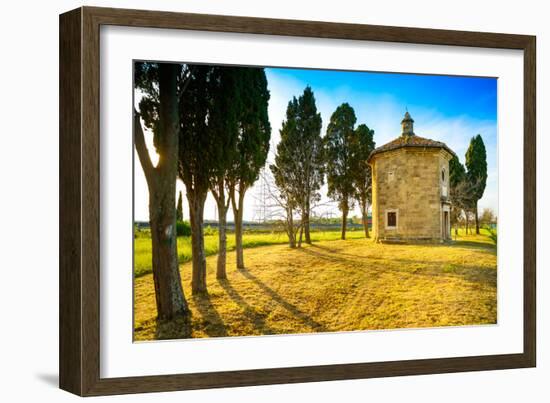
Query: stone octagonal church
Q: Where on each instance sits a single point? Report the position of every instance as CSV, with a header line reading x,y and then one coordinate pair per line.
x,y
410,188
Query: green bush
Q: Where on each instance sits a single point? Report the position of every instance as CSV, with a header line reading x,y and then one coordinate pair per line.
x,y
183,228
141,232
492,234
208,230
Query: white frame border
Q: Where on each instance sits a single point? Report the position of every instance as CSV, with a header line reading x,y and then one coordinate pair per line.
x,y
120,357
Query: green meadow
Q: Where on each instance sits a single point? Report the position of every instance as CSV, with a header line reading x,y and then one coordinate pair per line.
x,y
143,253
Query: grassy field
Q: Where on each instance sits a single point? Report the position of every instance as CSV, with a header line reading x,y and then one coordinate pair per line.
x,y
143,257
337,285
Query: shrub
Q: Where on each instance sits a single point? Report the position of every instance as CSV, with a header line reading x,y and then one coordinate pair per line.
x,y
141,232
208,230
492,234
183,228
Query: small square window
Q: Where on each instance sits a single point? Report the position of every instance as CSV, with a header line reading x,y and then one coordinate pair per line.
x,y
390,176
392,219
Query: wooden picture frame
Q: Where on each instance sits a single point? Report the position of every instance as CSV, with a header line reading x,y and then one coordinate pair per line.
x,y
79,281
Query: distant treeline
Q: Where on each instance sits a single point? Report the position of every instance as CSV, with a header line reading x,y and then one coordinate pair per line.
x,y
320,225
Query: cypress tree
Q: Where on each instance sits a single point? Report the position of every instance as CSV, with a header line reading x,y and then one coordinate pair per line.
x,y
300,157
159,84
285,168
476,163
361,172
224,110
194,164
339,148
252,146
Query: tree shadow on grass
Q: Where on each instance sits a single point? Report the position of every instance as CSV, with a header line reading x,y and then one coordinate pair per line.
x,y
432,268
486,246
478,246
302,316
212,322
255,317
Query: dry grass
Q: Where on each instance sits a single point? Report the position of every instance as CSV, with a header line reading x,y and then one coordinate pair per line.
x,y
338,286
143,257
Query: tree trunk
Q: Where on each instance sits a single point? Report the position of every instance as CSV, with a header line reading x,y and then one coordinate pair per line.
x,y
366,225
344,222
221,273
365,217
196,217
477,219
305,223
238,213
300,237
467,221
290,228
161,182
166,276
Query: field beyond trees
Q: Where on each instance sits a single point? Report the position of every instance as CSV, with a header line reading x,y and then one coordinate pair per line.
x,y
331,285
143,252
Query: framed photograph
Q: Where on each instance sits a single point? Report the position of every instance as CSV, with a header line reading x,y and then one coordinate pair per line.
x,y
248,201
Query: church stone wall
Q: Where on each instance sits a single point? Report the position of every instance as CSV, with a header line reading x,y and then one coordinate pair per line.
x,y
408,181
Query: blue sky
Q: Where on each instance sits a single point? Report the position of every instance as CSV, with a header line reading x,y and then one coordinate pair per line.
x,y
450,95
445,108
451,109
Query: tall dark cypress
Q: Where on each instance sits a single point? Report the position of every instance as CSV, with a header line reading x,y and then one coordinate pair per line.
x,y
159,111
252,146
339,149
476,163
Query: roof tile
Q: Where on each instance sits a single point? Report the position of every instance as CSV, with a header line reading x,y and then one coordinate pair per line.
x,y
410,141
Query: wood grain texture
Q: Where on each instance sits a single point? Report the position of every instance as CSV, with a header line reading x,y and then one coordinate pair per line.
x,y
80,195
530,202
314,29
70,271
90,202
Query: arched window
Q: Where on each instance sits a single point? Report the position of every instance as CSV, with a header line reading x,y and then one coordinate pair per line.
x,y
443,175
